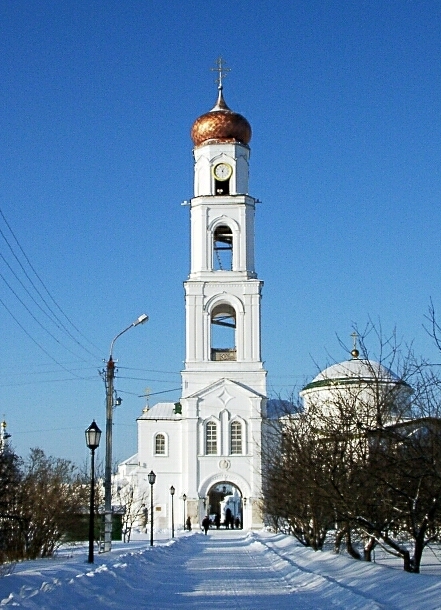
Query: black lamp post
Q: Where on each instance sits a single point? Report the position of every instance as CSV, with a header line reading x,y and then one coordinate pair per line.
x,y
152,479
93,436
172,493
244,505
184,497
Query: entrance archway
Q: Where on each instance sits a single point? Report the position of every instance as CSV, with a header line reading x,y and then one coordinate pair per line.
x,y
224,505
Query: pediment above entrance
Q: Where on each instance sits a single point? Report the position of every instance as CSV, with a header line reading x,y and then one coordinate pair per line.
x,y
225,390
225,395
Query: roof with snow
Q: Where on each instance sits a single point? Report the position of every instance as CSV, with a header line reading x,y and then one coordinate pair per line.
x,y
162,410
353,371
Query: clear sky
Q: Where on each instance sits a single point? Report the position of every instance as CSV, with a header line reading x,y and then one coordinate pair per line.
x,y
97,99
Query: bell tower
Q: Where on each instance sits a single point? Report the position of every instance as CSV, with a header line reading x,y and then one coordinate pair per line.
x,y
223,397
207,445
222,292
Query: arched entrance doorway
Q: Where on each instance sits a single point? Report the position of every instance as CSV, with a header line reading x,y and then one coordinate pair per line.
x,y
224,505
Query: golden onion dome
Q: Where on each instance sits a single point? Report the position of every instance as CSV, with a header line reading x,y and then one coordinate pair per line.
x,y
220,125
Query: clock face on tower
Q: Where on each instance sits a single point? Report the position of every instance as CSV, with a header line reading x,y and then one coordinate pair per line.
x,y
222,171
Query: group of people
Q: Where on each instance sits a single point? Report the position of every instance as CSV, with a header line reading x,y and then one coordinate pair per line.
x,y
230,521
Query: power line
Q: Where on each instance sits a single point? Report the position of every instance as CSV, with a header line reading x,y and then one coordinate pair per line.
x,y
34,341
149,370
59,323
36,319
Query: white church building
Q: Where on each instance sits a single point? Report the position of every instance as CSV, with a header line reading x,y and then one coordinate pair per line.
x,y
207,445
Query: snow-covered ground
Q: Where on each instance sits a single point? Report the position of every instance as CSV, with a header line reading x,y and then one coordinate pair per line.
x,y
225,569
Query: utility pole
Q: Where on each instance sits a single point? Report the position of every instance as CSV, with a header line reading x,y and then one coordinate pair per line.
x,y
109,376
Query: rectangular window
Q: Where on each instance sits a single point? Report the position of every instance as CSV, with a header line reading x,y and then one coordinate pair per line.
x,y
236,437
211,439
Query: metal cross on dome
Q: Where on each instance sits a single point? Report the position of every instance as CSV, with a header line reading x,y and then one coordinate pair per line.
x,y
222,71
354,336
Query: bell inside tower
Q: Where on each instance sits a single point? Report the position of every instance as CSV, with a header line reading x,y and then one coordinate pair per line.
x,y
221,187
223,249
223,332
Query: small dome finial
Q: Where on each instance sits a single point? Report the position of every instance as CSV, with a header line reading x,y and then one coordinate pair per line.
x,y
222,71
354,352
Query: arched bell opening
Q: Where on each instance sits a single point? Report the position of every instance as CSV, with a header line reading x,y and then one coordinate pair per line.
x,y
223,332
222,248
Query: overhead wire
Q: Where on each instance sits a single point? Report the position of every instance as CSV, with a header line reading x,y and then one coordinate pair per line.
x,y
37,299
35,318
56,319
35,341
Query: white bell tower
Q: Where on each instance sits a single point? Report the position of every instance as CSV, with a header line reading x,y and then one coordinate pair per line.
x,y
207,445
223,382
223,293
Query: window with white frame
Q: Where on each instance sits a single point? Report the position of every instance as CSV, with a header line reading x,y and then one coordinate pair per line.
x,y
236,437
160,444
211,438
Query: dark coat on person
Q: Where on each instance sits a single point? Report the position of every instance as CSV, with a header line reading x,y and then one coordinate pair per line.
x,y
206,524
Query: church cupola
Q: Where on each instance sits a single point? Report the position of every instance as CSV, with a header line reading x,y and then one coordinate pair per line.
x,y
221,152
220,125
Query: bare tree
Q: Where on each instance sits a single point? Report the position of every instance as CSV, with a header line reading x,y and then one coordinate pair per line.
x,y
52,495
295,494
362,456
10,482
133,503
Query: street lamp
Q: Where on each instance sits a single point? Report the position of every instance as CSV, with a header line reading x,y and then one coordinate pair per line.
x,y
244,506
108,379
152,478
172,493
184,497
93,436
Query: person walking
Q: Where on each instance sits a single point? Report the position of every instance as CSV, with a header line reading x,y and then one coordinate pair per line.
x,y
206,523
227,518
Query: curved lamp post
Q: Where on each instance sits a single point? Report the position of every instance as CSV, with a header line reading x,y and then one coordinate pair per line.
x,y
184,498
152,478
172,493
93,437
109,377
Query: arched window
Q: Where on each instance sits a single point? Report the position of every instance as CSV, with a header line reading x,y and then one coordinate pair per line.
x,y
236,437
223,332
160,444
211,438
222,249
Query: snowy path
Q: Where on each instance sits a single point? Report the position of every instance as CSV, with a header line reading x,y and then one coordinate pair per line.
x,y
240,572
226,569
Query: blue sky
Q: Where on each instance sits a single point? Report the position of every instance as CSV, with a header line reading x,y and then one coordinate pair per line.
x,y
96,104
